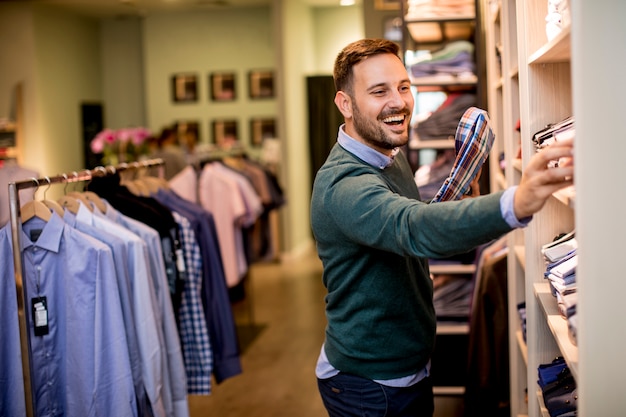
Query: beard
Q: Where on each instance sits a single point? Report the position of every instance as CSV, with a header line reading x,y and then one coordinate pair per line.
x,y
374,133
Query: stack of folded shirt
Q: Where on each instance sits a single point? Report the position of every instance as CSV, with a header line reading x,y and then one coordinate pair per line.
x,y
562,260
558,388
554,132
431,9
454,62
443,122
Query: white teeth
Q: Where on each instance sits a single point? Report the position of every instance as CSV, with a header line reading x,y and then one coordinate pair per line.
x,y
393,119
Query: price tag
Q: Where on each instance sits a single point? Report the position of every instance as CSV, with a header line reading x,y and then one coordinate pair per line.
x,y
40,315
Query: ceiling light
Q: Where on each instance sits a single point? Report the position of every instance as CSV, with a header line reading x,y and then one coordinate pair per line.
x,y
346,2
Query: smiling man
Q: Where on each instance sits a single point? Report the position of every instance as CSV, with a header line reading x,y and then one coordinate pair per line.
x,y
374,237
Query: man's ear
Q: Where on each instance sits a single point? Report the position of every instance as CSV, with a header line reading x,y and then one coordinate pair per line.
x,y
344,104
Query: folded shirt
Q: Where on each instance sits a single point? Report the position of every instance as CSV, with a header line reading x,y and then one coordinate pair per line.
x,y
473,141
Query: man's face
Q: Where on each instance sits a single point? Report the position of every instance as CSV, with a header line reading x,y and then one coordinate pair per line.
x,y
381,103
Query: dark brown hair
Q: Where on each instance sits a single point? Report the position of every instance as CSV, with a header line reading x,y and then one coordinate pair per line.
x,y
354,53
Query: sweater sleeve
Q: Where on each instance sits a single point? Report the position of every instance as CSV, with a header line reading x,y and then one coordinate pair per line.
x,y
367,210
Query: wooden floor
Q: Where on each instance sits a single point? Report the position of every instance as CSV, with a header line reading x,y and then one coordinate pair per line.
x,y
278,379
281,326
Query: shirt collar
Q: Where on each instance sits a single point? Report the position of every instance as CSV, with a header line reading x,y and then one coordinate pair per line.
x,y
364,152
50,238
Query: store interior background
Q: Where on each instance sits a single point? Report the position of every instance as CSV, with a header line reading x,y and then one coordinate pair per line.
x,y
63,59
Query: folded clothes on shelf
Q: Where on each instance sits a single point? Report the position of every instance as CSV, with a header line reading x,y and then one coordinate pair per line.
x,y
558,387
554,132
455,59
430,9
560,247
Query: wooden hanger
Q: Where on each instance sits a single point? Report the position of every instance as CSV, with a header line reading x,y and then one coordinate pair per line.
x,y
154,184
70,203
142,188
54,206
35,209
80,197
96,200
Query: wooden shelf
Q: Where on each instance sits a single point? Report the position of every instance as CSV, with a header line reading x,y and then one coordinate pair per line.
x,y
453,391
444,328
452,268
447,143
446,82
557,325
557,50
566,196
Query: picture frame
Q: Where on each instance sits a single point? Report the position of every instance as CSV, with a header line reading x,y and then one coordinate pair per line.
x,y
188,132
184,88
261,84
262,128
387,4
225,133
222,86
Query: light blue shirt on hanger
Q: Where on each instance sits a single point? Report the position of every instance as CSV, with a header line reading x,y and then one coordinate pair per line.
x,y
81,364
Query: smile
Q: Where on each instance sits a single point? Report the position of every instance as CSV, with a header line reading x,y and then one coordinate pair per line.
x,y
394,120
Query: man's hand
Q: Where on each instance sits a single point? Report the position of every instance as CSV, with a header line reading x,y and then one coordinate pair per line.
x,y
539,182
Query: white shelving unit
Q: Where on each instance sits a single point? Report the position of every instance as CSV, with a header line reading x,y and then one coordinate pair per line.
x,y
541,81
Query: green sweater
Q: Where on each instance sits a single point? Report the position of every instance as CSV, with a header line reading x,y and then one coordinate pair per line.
x,y
374,237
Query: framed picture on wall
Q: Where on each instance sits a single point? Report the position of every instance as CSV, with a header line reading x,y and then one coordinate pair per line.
x,y
188,133
184,88
262,128
261,84
225,133
222,86
387,4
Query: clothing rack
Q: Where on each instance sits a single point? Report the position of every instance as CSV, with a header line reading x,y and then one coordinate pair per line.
x,y
14,202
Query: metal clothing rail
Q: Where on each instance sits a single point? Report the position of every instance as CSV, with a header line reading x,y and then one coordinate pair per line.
x,y
14,202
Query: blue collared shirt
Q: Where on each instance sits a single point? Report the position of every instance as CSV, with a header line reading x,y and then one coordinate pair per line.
x,y
81,364
174,383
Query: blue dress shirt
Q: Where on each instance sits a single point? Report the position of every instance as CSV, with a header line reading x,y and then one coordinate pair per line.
x,y
217,308
175,379
80,367
84,222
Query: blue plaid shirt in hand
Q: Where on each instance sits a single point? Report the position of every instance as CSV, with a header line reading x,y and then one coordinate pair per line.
x,y
473,141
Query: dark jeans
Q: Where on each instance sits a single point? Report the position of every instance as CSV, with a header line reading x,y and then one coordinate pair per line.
x,y
346,395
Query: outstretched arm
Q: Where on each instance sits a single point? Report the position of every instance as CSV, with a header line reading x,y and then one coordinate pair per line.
x,y
539,182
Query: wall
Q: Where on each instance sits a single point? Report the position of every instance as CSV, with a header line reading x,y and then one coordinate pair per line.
x,y
17,47
334,27
201,43
121,60
55,56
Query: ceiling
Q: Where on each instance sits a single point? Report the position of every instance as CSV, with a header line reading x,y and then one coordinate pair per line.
x,y
116,8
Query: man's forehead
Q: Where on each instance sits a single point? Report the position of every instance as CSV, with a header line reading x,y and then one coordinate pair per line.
x,y
380,69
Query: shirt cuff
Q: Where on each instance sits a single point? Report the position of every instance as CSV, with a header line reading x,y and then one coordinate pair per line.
x,y
508,212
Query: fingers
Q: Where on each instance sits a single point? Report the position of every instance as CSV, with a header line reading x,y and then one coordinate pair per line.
x,y
563,150
542,177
